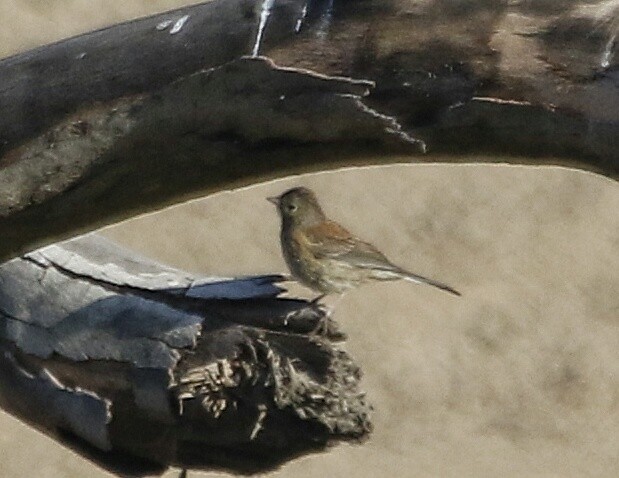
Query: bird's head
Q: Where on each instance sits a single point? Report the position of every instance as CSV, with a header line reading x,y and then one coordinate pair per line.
x,y
298,206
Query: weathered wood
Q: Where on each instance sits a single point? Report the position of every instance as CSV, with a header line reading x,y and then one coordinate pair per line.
x,y
236,121
124,120
139,366
436,63
42,86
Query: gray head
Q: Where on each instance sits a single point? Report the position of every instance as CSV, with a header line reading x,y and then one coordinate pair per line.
x,y
298,206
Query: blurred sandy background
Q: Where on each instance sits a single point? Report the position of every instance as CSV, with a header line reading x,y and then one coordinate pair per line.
x,y
519,377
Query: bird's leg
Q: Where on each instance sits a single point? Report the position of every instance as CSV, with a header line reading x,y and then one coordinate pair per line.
x,y
183,473
323,328
317,299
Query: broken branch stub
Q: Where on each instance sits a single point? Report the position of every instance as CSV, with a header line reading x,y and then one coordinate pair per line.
x,y
139,366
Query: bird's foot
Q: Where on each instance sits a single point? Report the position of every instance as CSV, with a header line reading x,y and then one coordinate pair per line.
x,y
322,326
326,327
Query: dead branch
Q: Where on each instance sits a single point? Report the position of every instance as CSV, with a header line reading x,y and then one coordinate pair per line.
x,y
139,366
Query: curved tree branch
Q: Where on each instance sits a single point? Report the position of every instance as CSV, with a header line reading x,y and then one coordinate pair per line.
x,y
134,117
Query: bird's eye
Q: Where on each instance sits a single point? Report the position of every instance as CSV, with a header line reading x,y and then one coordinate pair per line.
x,y
291,207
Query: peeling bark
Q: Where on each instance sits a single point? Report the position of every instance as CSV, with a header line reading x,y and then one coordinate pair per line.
x,y
139,366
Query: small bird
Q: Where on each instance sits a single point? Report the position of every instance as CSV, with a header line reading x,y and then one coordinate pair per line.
x,y
327,258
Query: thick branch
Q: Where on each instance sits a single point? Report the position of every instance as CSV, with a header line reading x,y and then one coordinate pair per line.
x,y
126,119
236,121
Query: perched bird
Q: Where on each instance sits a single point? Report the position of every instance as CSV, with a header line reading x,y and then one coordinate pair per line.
x,y
327,258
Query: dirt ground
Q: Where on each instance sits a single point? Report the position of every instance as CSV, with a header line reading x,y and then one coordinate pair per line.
x,y
519,377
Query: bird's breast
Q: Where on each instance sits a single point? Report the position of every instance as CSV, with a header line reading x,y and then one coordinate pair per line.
x,y
297,255
321,274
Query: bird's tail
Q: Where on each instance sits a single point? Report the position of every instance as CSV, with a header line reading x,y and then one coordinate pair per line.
x,y
409,276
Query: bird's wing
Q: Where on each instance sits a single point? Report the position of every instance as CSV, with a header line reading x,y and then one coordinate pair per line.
x,y
329,239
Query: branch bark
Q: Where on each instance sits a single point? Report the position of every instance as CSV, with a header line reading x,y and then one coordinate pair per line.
x,y
240,120
132,117
139,366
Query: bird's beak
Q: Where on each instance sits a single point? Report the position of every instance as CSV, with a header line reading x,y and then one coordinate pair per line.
x,y
273,199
